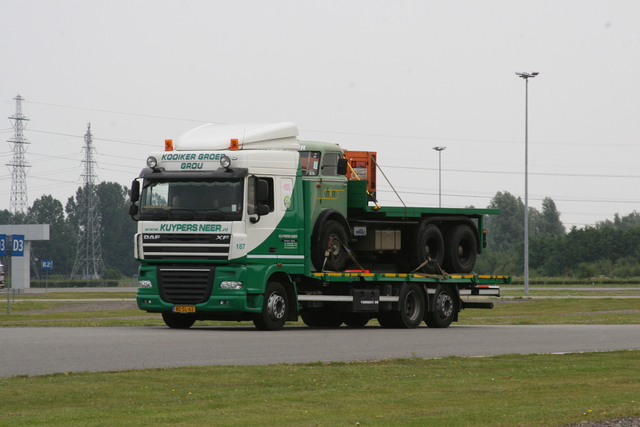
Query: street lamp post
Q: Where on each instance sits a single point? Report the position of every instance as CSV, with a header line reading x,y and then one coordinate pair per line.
x,y
440,149
526,77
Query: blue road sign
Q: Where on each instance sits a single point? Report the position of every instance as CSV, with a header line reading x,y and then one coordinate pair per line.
x,y
46,264
17,247
3,244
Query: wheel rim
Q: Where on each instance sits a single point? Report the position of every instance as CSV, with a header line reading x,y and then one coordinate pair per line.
x,y
427,251
334,246
464,251
445,305
276,306
412,306
431,249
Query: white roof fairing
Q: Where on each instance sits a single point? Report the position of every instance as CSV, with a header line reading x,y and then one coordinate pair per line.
x,y
280,136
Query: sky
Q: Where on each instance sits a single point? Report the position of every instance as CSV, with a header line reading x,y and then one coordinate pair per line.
x,y
396,77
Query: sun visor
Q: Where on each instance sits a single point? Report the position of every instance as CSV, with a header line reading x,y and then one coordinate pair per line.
x,y
275,136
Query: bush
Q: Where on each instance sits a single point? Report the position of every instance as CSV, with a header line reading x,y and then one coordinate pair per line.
x,y
112,274
72,283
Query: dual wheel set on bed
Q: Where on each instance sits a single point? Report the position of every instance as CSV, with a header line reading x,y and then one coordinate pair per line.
x,y
431,248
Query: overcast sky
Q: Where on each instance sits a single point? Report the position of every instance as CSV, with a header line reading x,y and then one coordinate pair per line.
x,y
396,77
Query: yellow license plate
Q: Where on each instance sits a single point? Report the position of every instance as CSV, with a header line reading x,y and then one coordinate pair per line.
x,y
184,309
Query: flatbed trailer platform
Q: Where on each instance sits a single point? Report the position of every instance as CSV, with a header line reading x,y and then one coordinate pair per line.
x,y
461,280
396,299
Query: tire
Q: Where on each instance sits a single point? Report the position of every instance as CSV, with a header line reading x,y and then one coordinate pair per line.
x,y
445,309
428,243
334,238
385,321
412,307
461,249
356,320
321,318
275,308
178,321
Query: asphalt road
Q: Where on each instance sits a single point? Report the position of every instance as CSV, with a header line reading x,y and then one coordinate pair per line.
x,y
38,351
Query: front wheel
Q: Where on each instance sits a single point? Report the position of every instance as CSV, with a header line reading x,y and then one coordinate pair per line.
x,y
178,321
445,309
275,308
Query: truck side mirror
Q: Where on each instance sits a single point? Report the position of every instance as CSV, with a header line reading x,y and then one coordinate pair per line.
x,y
262,209
262,191
135,191
133,210
262,198
342,166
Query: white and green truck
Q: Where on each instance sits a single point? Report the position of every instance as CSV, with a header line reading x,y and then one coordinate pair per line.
x,y
247,223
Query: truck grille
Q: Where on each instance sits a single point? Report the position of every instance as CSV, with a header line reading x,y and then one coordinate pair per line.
x,y
186,246
188,285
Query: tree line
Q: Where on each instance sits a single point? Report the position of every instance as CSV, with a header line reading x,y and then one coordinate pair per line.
x,y
115,227
609,248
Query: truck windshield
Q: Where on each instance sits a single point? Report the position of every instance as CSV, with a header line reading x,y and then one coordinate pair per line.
x,y
309,162
195,200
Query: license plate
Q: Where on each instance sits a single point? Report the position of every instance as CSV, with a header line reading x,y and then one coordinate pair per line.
x,y
183,309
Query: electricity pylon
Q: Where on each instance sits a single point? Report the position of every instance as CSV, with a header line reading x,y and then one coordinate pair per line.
x,y
88,263
19,202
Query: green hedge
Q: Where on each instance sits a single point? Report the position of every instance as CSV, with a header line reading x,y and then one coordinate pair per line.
x,y
72,283
577,281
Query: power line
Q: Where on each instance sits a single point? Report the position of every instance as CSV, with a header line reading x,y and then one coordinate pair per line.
x,y
120,112
124,141
375,135
540,198
496,172
484,141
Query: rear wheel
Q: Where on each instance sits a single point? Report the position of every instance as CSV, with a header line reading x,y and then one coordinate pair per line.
x,y
385,320
445,309
411,313
178,321
461,249
275,308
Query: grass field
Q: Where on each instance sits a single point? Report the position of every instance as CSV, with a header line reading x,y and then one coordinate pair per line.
x,y
511,390
532,390
33,310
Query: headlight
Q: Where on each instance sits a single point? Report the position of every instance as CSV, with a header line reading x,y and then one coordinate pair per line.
x,y
225,162
144,284
230,284
152,162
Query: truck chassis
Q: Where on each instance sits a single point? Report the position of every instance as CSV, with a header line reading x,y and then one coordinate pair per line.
x,y
352,298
